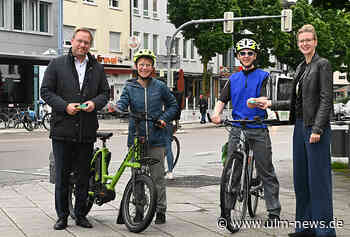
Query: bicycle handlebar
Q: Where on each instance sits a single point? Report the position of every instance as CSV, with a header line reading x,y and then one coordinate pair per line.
x,y
138,116
256,120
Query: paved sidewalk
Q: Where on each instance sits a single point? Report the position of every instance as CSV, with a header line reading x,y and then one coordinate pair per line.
x,y
27,210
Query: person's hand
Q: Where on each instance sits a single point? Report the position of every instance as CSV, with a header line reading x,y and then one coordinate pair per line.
x,y
260,102
314,138
71,108
161,123
215,118
90,106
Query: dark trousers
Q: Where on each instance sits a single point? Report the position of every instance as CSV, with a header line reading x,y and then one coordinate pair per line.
x,y
203,114
69,156
312,179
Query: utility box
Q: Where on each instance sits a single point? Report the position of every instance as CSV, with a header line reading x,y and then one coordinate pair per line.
x,y
340,141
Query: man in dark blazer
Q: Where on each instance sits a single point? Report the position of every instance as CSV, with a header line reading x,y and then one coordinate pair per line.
x,y
75,86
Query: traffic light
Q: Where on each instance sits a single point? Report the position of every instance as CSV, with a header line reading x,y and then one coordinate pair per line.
x,y
228,25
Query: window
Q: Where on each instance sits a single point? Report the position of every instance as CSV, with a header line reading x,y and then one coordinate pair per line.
x,y
136,7
31,15
44,17
114,3
145,7
167,43
2,13
68,32
192,49
155,9
145,40
184,50
177,46
93,36
155,44
18,15
114,41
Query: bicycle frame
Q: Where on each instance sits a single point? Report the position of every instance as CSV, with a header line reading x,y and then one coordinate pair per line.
x,y
134,151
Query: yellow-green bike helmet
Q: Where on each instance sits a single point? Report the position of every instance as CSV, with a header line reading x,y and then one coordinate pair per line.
x,y
246,44
145,53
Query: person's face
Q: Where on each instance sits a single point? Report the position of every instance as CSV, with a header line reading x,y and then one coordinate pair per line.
x,y
246,57
81,44
307,43
144,67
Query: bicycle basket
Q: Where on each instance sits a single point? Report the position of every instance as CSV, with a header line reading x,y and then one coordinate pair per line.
x,y
224,153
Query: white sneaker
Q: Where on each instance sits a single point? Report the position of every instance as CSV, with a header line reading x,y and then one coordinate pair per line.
x,y
169,175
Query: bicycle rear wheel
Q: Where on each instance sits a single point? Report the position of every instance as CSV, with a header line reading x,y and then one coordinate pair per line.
x,y
255,189
72,194
175,146
233,199
139,203
47,121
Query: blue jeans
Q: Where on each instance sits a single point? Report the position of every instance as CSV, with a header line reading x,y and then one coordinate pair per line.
x,y
312,179
168,150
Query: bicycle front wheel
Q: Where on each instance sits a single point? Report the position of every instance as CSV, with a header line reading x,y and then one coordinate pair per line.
x,y
255,189
233,197
175,146
139,203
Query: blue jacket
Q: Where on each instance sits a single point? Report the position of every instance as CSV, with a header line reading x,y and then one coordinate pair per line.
x,y
151,100
244,87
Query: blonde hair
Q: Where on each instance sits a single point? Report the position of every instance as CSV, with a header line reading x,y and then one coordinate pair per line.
x,y
307,28
83,29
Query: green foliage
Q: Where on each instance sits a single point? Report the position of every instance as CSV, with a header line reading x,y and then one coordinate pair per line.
x,y
332,4
208,38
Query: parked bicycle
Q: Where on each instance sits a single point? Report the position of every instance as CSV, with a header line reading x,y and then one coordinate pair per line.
x,y
240,187
138,204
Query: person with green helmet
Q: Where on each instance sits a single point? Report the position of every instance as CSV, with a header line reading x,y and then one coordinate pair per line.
x,y
146,94
251,83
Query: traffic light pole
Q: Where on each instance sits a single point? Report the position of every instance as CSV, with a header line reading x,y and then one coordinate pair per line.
x,y
170,81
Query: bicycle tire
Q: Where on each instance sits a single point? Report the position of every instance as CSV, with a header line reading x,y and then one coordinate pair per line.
x,y
47,121
2,124
28,124
146,183
233,207
175,146
71,195
254,193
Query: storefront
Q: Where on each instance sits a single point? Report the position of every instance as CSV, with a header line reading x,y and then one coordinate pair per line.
x,y
19,79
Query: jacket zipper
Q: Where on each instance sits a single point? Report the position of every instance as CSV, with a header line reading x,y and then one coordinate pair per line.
x,y
146,110
81,101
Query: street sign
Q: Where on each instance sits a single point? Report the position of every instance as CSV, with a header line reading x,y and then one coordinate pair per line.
x,y
286,20
228,25
163,60
134,42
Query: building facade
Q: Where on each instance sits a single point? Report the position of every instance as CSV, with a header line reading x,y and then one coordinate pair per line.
x,y
110,23
154,30
28,33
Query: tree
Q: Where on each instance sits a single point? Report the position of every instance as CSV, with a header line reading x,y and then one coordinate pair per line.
x,y
209,39
331,4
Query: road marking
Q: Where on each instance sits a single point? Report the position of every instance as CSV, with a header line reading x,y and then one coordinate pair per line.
x,y
206,153
22,172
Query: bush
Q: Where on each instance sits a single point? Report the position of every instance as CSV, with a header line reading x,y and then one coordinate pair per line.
x,y
343,100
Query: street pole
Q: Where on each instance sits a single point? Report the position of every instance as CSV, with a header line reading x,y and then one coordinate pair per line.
x,y
60,27
170,82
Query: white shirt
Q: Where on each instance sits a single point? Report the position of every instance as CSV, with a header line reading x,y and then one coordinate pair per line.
x,y
81,69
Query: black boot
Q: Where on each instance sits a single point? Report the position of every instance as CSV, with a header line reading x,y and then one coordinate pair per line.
x,y
160,218
60,224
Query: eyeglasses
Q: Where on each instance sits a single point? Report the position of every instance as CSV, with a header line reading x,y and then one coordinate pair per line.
x,y
305,41
244,53
144,65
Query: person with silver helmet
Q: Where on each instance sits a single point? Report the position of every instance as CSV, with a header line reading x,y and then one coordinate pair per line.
x,y
251,83
146,94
